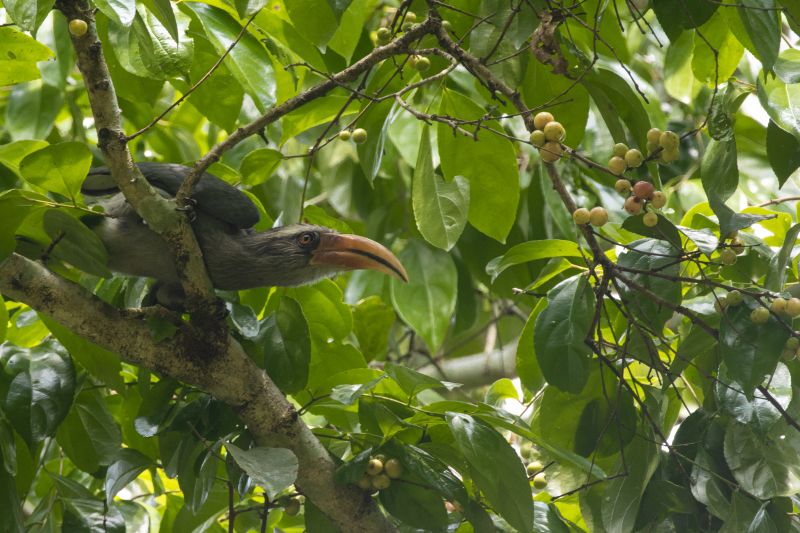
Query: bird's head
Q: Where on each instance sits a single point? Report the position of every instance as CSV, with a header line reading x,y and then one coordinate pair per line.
x,y
304,253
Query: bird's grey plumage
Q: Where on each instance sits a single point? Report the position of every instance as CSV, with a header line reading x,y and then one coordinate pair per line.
x,y
236,256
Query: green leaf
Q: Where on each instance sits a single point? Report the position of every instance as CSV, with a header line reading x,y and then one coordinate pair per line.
x,y
120,11
758,413
787,66
58,168
75,243
651,255
434,473
127,466
663,230
249,62
703,238
82,510
531,251
714,67
675,17
376,120
162,9
259,165
776,273
245,8
351,26
372,321
32,110
750,351
89,435
317,28
781,102
274,469
616,100
287,346
440,208
14,208
19,53
723,110
561,331
489,163
27,14
427,301
38,386
762,20
314,113
528,370
623,494
327,315
12,153
783,152
413,382
495,468
417,506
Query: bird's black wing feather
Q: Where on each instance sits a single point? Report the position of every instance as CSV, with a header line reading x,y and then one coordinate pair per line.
x,y
212,195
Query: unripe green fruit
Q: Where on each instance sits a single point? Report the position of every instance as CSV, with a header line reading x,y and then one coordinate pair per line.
x,y
540,481
581,215
292,507
633,205
737,245
446,25
658,200
652,146
365,483
554,131
759,315
669,141
344,135
643,190
411,16
734,297
359,135
381,482
620,149
383,35
623,186
598,216
792,343
551,151
650,219
788,355
633,158
537,138
727,256
668,156
793,307
393,468
534,467
541,119
380,457
617,165
653,135
421,64
78,27
778,305
374,467
720,304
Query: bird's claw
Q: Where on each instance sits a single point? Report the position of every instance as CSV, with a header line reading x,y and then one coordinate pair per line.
x,y
189,209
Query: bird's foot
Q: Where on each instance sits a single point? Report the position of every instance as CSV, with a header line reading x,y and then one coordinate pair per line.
x,y
189,209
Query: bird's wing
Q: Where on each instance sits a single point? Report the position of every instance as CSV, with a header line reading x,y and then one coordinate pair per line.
x,y
212,195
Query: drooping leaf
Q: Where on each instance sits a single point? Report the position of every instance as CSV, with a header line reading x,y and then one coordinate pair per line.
x,y
715,66
58,168
561,331
780,100
787,66
776,274
75,243
532,251
127,466
287,346
783,152
762,21
120,11
416,506
89,435
274,469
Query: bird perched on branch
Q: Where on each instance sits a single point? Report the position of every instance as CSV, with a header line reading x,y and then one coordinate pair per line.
x,y
236,256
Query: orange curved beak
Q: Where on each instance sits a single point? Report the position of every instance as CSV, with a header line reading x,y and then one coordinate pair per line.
x,y
353,252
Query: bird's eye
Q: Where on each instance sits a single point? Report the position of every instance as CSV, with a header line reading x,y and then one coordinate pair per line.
x,y
307,238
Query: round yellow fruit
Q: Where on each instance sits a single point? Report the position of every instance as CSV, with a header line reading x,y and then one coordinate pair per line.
x,y
292,507
541,119
778,305
617,165
381,482
669,141
359,135
422,64
581,215
650,219
658,200
551,151
598,216
393,468
540,481
78,27
534,467
737,245
620,149
383,35
554,131
759,315
345,135
537,138
793,307
365,483
654,135
374,467
633,205
727,256
411,16
668,156
793,343
633,158
623,186
734,297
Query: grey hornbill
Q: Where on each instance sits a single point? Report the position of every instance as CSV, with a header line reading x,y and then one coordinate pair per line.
x,y
236,256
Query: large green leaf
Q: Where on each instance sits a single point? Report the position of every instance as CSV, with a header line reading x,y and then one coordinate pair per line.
x,y
440,207
758,413
249,62
715,66
37,387
32,110
532,251
372,321
319,27
127,466
83,511
783,152
776,274
561,331
495,468
287,346
750,351
19,53
75,243
427,301
616,100
528,369
327,315
14,208
787,66
781,101
656,256
89,435
274,469
120,11
675,17
58,168
488,162
762,21
417,506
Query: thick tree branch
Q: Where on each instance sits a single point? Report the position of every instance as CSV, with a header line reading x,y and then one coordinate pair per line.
x,y
229,375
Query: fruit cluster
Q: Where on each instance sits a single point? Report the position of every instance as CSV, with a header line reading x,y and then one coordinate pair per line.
x,y
667,141
623,158
760,315
598,216
791,350
359,135
534,469
642,193
547,136
380,472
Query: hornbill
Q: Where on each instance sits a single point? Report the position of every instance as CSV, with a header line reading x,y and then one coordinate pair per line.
x,y
236,256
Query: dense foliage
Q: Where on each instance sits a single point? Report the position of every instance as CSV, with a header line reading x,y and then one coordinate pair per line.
x,y
655,353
